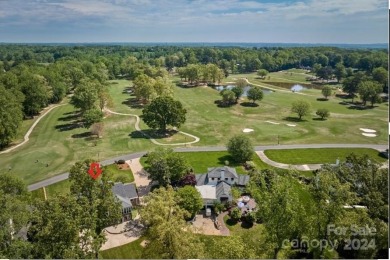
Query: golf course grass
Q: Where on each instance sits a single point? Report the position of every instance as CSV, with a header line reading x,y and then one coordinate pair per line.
x,y
57,142
323,155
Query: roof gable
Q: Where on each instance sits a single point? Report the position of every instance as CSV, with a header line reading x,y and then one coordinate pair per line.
x,y
125,191
216,172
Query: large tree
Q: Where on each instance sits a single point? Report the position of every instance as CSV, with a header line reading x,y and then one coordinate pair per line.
x,y
166,167
228,97
85,96
301,107
61,229
167,233
95,196
262,73
14,216
255,93
240,148
36,91
282,214
11,116
350,84
238,91
189,199
326,91
340,71
369,91
162,112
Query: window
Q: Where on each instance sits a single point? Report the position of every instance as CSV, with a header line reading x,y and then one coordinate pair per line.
x,y
219,179
232,179
226,179
212,179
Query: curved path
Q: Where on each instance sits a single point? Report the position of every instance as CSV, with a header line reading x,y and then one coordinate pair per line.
x,y
303,167
132,156
27,135
197,139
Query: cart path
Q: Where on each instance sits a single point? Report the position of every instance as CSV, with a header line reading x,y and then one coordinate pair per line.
x,y
137,127
27,135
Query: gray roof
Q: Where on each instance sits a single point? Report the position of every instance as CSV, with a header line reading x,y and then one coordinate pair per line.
x,y
216,172
127,190
242,180
201,179
223,189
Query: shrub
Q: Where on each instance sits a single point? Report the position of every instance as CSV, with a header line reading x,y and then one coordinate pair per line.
x,y
323,113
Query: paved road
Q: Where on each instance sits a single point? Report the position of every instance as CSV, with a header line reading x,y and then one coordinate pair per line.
x,y
65,176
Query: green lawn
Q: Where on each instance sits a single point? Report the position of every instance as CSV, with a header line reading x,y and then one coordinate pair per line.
x,y
132,250
57,143
200,161
324,155
59,188
116,172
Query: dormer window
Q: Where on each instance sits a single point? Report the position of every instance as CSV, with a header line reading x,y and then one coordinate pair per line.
x,y
226,179
212,179
232,179
219,179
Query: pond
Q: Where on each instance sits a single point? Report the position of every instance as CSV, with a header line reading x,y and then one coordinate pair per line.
x,y
220,88
297,88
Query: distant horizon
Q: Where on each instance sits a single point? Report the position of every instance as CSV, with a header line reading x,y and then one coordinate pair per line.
x,y
378,45
188,21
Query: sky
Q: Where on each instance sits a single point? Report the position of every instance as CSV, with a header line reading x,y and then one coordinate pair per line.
x,y
268,21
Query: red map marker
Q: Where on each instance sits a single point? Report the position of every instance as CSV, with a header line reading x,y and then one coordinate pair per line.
x,y
94,170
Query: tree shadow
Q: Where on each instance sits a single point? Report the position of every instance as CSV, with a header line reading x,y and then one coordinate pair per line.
x,y
82,135
246,225
127,90
228,158
249,104
345,103
231,222
68,127
133,103
322,99
361,107
151,133
318,119
293,119
222,104
343,96
71,116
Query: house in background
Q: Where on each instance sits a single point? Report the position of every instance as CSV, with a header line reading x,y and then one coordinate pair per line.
x,y
128,196
216,184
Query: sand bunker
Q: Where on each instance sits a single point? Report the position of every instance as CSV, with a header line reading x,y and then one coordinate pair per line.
x,y
291,125
274,123
247,130
369,135
367,130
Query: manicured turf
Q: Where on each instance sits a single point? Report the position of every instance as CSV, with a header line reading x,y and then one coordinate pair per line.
x,y
200,161
59,188
116,172
132,250
56,144
324,155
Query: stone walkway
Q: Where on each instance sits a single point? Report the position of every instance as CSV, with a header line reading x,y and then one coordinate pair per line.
x,y
224,230
140,177
302,167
